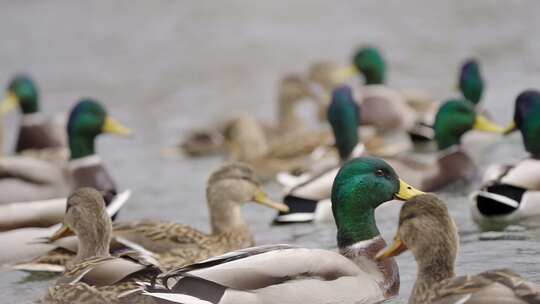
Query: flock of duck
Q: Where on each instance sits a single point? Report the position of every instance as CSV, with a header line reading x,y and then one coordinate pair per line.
x,y
56,184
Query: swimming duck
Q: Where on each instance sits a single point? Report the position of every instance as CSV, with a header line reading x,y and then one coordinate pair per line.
x,y
292,90
471,86
174,244
383,107
428,231
302,274
309,201
39,136
511,192
455,118
308,196
246,141
94,276
30,187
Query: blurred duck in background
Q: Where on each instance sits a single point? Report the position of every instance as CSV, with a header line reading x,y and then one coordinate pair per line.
x,y
454,119
308,195
94,276
471,86
308,200
38,136
174,244
291,274
292,91
246,141
427,230
511,192
34,190
383,107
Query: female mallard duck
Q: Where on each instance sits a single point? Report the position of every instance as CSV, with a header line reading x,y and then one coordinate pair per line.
x,y
94,276
30,187
305,275
308,196
511,193
38,135
174,244
426,228
309,201
292,90
471,86
247,142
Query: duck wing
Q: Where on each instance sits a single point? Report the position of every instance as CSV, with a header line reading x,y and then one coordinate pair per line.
x,y
494,286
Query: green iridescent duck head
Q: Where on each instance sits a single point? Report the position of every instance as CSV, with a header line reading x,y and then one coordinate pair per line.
x,y
369,62
87,120
343,115
456,117
527,120
361,185
471,83
21,92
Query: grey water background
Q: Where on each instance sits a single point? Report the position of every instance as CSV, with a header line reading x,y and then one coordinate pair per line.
x,y
163,67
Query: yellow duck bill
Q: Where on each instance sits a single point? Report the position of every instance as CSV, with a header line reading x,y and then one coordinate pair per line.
x,y
262,198
396,248
406,191
481,123
9,103
343,74
62,232
113,127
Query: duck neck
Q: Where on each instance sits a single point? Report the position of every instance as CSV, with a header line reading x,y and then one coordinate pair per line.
x,y
429,275
385,271
93,243
287,118
355,225
374,76
446,140
225,215
81,146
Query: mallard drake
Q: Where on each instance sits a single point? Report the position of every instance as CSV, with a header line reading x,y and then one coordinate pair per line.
x,y
311,191
39,135
511,192
383,107
454,119
174,244
471,87
25,182
309,201
305,275
94,276
428,231
292,90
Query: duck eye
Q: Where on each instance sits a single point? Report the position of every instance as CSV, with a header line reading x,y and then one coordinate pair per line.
x,y
379,172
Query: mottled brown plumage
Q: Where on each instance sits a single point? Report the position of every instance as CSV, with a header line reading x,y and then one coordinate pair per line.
x,y
174,244
426,228
93,275
292,90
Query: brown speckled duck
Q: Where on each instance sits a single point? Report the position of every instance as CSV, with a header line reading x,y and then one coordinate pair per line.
x,y
174,244
292,90
94,276
428,231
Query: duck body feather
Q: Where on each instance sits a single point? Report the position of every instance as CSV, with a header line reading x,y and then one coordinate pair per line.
x,y
510,194
101,280
250,276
